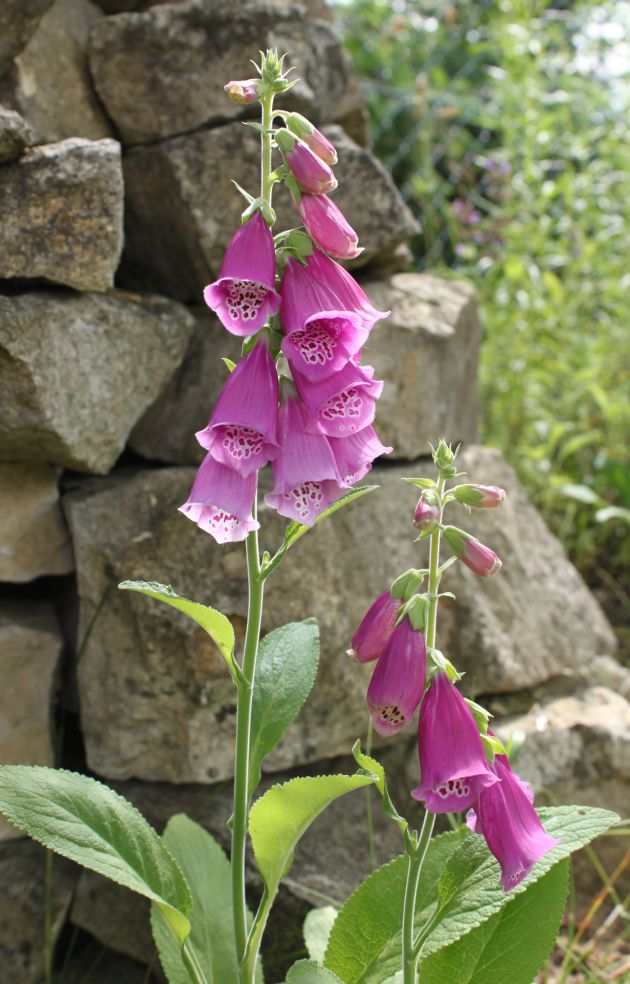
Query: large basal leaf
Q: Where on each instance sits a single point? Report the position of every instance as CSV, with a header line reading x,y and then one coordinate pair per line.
x,y
286,668
218,627
316,930
511,946
309,972
91,824
279,818
364,943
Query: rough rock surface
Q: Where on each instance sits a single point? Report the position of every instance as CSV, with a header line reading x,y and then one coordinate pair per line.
x,y
15,134
175,706
97,967
33,536
30,648
22,866
57,404
162,72
427,348
182,208
18,20
51,84
61,208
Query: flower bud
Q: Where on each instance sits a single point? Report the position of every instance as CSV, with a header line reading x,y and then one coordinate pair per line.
x,y
328,227
479,558
425,515
310,172
479,496
370,639
243,91
312,137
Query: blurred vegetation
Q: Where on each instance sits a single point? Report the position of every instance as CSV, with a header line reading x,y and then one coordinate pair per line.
x,y
505,126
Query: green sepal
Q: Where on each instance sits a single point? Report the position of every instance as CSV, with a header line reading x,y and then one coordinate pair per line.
x,y
293,187
298,124
467,495
492,746
230,366
416,610
480,714
444,459
438,663
285,140
407,583
246,195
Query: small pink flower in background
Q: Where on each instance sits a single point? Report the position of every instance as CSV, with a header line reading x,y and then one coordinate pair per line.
x,y
220,502
374,632
242,430
243,91
504,814
453,765
306,479
343,403
328,227
244,296
398,680
354,455
312,174
480,496
475,555
425,515
311,136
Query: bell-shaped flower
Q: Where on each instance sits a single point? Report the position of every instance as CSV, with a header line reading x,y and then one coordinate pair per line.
x,y
343,403
453,765
474,554
242,430
340,289
328,227
354,455
220,502
321,335
425,516
311,136
312,174
244,297
377,625
508,821
479,496
398,680
306,479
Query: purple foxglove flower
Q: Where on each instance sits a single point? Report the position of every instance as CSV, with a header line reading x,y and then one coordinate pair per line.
x,y
508,821
328,227
244,297
311,136
344,403
320,338
220,502
311,173
425,515
354,455
243,91
241,433
479,496
306,480
341,290
398,680
453,765
377,625
479,558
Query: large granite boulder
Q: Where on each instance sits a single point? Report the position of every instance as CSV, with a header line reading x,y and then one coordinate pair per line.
x,y
72,382
33,536
18,20
15,134
61,208
50,84
174,703
161,72
182,209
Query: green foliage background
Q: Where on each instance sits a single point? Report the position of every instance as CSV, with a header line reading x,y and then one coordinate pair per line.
x,y
505,126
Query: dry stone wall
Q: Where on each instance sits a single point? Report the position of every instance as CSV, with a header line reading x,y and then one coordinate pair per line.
x,y
116,151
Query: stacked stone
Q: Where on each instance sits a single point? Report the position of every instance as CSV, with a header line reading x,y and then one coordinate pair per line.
x,y
117,146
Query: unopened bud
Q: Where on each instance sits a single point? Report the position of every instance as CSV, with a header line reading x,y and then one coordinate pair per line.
x,y
312,137
373,634
479,496
475,555
443,458
244,91
425,516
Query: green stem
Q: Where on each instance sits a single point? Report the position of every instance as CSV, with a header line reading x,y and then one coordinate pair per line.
x,y
416,858
368,803
48,919
192,965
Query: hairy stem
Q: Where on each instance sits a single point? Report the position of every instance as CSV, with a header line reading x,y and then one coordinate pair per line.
x,y
368,803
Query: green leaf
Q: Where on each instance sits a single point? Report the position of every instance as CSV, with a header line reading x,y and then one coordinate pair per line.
x,y
309,972
371,765
279,818
295,531
286,668
421,483
511,946
581,493
316,930
218,627
89,823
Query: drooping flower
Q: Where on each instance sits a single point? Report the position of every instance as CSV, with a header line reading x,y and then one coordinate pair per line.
x,y
311,136
341,289
343,403
328,227
312,174
479,496
244,296
398,680
425,515
453,765
306,479
243,91
377,625
220,502
242,430
474,554
321,335
354,455
507,819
